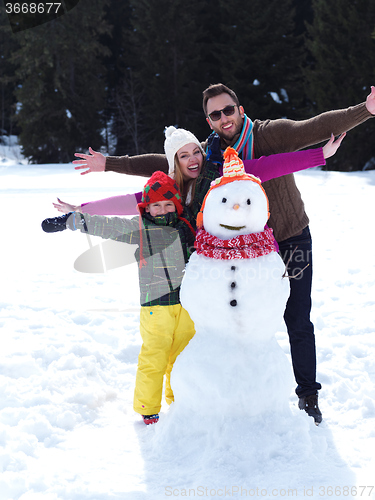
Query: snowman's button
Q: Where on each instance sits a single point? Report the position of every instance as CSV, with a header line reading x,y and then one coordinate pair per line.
x,y
233,303
233,284
233,268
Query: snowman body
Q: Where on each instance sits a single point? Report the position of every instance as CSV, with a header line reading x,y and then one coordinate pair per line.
x,y
234,364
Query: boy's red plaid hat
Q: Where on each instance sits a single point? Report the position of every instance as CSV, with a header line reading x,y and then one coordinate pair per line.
x,y
160,187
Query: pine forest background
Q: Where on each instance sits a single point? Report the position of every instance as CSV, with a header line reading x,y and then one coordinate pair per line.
x,y
112,74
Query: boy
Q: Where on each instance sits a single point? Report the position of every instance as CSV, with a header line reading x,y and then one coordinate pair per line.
x,y
165,239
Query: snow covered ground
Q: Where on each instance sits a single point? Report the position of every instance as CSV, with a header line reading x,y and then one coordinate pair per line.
x,y
69,347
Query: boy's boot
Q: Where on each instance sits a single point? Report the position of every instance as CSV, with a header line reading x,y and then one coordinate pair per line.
x,y
150,419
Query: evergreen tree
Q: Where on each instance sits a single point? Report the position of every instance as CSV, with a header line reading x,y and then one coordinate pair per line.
x,y
120,137
167,41
304,14
260,56
130,123
8,80
344,54
62,92
212,19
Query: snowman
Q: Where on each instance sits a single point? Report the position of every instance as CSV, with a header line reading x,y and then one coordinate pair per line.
x,y
235,289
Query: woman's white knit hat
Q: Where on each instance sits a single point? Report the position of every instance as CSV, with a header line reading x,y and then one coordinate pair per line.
x,y
176,138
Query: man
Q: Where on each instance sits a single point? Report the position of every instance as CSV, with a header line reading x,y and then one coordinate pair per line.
x,y
231,127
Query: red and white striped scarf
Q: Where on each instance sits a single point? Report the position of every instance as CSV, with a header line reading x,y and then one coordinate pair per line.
x,y
246,246
245,143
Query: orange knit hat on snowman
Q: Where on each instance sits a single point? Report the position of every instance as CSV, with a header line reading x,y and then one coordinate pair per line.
x,y
233,170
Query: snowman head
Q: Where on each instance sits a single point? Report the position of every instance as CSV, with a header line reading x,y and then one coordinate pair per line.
x,y
236,203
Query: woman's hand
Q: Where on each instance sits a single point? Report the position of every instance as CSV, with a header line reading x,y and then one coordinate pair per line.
x,y
65,208
332,145
94,162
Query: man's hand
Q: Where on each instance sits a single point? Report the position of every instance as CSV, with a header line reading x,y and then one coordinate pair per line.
x,y
370,101
94,162
332,146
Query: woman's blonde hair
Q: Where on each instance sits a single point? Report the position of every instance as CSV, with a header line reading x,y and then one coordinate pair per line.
x,y
187,188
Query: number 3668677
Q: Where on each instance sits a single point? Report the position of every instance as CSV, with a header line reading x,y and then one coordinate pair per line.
x,y
32,8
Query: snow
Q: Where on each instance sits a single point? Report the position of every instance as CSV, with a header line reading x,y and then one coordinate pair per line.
x,y
275,97
69,351
10,151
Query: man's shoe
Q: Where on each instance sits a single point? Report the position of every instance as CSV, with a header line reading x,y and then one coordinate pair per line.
x,y
150,419
310,405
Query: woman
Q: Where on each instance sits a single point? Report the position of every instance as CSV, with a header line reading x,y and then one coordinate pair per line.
x,y
193,172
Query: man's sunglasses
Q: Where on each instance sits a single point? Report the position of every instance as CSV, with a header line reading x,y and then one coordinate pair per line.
x,y
227,111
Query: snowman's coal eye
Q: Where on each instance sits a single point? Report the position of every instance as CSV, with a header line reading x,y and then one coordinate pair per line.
x,y
248,201
224,200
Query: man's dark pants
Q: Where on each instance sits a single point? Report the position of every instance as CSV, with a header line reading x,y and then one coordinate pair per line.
x,y
297,311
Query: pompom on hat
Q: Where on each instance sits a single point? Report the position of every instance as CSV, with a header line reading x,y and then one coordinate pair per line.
x,y
175,139
233,170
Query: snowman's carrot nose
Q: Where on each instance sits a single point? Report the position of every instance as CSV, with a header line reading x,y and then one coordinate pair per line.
x,y
236,206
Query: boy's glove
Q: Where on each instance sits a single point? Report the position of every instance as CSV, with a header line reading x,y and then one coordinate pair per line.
x,y
55,224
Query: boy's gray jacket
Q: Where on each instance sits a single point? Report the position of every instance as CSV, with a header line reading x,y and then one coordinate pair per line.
x,y
166,246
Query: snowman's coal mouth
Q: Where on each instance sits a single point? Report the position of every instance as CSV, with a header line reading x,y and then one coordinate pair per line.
x,y
232,228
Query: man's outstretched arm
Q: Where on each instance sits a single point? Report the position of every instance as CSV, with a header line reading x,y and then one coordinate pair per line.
x,y
283,135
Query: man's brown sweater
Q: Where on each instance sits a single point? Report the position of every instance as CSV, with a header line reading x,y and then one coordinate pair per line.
x,y
288,216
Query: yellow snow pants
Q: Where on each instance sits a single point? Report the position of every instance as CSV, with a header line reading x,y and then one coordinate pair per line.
x,y
165,331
